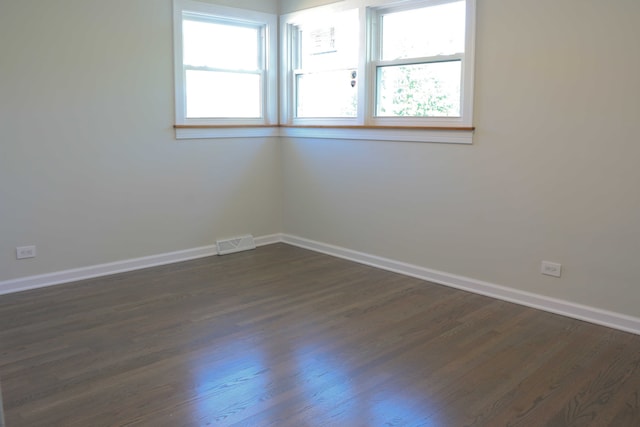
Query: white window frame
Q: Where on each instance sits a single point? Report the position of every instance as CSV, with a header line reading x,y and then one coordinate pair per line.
x,y
367,126
227,127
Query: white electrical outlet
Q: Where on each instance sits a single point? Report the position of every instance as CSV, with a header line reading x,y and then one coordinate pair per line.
x,y
551,268
23,252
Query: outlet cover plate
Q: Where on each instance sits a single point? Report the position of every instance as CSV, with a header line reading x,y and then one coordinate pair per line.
x,y
551,268
23,252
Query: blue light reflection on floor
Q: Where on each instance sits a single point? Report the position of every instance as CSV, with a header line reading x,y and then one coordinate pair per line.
x,y
226,387
323,381
329,392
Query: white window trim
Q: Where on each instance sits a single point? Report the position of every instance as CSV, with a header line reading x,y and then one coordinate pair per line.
x,y
227,128
382,133
373,128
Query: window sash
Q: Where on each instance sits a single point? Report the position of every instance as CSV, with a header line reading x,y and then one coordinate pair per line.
x,y
337,101
376,21
260,60
254,110
438,99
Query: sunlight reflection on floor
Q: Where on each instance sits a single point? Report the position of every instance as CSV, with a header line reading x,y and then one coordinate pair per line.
x,y
227,387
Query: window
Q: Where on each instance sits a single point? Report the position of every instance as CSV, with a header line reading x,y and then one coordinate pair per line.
x,y
360,69
225,73
371,63
326,66
321,49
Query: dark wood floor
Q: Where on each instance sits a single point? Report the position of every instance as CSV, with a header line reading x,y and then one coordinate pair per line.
x,y
281,336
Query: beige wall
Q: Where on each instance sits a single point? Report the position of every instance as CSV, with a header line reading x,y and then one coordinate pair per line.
x,y
90,171
553,173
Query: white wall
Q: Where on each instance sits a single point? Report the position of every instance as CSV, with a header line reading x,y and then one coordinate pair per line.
x,y
90,171
553,173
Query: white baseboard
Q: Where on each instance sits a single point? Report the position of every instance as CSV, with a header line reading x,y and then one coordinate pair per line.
x,y
268,240
557,306
66,276
565,308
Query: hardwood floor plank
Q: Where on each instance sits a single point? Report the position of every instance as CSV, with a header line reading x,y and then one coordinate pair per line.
x,y
281,336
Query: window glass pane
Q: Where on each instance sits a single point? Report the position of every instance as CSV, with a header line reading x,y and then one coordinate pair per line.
x,y
419,90
216,45
223,95
327,94
424,32
330,43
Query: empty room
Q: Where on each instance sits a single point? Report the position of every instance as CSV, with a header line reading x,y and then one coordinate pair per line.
x,y
319,213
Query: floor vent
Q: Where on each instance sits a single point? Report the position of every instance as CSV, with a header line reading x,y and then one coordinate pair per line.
x,y
235,244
